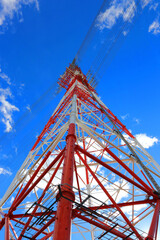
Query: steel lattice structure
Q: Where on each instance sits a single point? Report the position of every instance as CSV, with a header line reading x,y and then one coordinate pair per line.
x,y
86,177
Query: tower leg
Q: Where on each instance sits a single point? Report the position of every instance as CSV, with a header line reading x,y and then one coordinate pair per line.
x,y
154,223
6,228
62,229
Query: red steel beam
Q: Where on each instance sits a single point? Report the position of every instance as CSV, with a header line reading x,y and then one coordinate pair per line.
x,y
124,204
19,200
43,228
47,236
34,228
2,223
116,172
103,226
62,229
7,228
154,224
128,169
15,203
111,199
37,214
147,180
39,201
13,230
92,208
16,196
52,120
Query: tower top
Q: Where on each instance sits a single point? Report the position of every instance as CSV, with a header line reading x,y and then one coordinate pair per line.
x,y
74,73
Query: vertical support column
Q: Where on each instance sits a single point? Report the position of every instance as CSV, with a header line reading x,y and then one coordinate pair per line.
x,y
62,228
154,224
6,228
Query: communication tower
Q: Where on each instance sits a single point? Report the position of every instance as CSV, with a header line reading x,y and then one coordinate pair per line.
x,y
86,177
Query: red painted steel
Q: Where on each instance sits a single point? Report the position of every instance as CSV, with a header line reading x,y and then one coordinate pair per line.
x,y
116,172
64,213
7,237
64,210
147,180
43,228
15,203
19,200
39,201
154,224
102,225
128,169
34,228
111,199
47,237
124,204
13,230
2,223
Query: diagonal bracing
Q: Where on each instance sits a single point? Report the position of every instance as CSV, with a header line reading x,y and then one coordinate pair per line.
x,y
86,174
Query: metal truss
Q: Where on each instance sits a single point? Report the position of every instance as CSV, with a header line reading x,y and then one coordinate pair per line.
x,y
85,176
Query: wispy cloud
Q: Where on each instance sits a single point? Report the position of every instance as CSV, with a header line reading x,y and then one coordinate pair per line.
x,y
125,116
136,120
124,9
154,6
154,27
12,199
5,77
8,8
145,3
6,108
4,171
145,140
28,108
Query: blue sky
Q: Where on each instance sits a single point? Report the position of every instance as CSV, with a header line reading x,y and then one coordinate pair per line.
x,y
38,39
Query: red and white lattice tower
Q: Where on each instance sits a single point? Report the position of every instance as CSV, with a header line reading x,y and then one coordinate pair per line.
x,y
86,177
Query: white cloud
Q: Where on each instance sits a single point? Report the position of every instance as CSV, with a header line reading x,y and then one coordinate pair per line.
x,y
154,6
125,33
137,208
125,116
143,139
146,141
145,3
28,108
5,77
6,108
8,8
27,207
21,87
95,148
12,199
118,9
4,171
129,10
15,149
155,27
136,120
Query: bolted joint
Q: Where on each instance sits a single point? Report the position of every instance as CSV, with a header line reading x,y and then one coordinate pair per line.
x,y
67,194
157,193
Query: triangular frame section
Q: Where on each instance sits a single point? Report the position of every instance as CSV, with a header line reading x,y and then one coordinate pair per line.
x,y
86,170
